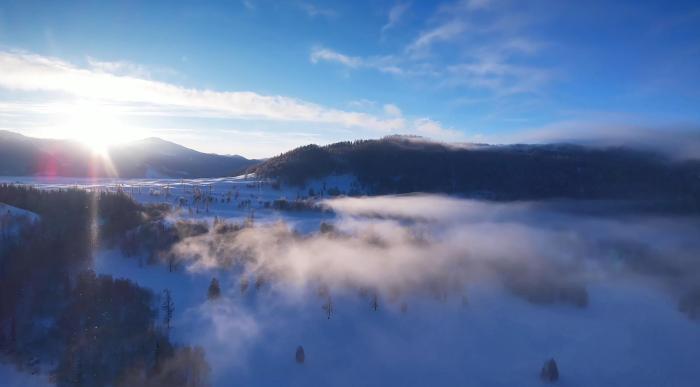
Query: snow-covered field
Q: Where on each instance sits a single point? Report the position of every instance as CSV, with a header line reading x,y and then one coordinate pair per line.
x,y
472,332
11,377
12,218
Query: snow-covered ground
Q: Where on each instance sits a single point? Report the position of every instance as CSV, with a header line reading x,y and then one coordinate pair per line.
x,y
18,212
13,218
232,198
630,334
10,376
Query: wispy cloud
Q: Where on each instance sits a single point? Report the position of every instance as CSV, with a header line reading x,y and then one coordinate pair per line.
x,y
481,45
324,54
441,33
396,13
313,10
35,73
122,67
392,110
385,64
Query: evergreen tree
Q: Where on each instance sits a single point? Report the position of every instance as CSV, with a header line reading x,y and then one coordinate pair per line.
x,y
328,308
375,302
214,291
13,334
168,307
550,371
300,356
244,284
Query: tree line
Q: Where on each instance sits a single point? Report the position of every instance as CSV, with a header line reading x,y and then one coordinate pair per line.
x,y
96,329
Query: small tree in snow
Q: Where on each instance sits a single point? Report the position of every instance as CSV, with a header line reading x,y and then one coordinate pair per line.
x,y
214,291
550,371
244,284
328,308
300,356
168,307
375,302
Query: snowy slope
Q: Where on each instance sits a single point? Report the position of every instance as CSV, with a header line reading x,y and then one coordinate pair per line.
x,y
18,213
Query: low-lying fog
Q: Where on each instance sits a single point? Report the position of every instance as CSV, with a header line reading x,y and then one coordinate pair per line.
x,y
429,290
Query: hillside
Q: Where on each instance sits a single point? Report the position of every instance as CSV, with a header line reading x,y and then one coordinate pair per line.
x,y
401,165
27,156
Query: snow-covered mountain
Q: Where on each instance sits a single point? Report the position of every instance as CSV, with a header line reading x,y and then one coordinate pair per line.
x,y
405,164
151,157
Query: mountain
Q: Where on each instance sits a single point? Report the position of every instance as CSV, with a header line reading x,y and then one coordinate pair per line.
x,y
400,164
151,157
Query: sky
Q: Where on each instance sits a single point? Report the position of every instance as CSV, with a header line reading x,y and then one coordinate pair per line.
x,y
259,77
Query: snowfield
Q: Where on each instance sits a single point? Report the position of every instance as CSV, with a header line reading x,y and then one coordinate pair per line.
x,y
378,267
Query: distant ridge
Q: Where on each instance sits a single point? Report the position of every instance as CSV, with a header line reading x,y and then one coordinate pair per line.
x,y
150,157
398,164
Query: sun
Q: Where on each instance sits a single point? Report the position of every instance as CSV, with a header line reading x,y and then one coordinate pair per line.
x,y
96,125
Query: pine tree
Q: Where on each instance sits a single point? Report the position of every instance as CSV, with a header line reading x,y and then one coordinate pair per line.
x,y
550,371
244,284
300,356
168,307
328,308
13,334
214,291
156,357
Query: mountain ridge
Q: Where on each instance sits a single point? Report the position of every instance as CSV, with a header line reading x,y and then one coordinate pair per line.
x,y
29,156
509,172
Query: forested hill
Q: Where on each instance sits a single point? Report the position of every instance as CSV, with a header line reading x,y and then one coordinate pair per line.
x,y
151,157
401,165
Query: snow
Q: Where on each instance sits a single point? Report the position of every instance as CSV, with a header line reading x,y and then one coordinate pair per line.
x,y
12,219
15,212
631,334
10,376
628,336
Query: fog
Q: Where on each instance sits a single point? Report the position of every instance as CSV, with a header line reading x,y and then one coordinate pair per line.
x,y
395,246
465,290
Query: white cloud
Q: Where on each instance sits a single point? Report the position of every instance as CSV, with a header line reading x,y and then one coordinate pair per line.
x,y
441,33
324,54
362,104
35,73
385,64
313,10
434,130
392,110
498,76
395,14
677,141
122,67
469,44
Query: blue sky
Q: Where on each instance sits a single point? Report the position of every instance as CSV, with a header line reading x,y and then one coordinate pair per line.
x,y
258,77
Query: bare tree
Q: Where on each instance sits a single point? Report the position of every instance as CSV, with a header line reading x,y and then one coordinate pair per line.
x,y
328,307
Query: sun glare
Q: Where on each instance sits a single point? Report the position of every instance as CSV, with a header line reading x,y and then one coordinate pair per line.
x,y
96,125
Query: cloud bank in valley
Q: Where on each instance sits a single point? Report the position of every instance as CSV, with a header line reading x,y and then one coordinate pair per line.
x,y
425,244
446,269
